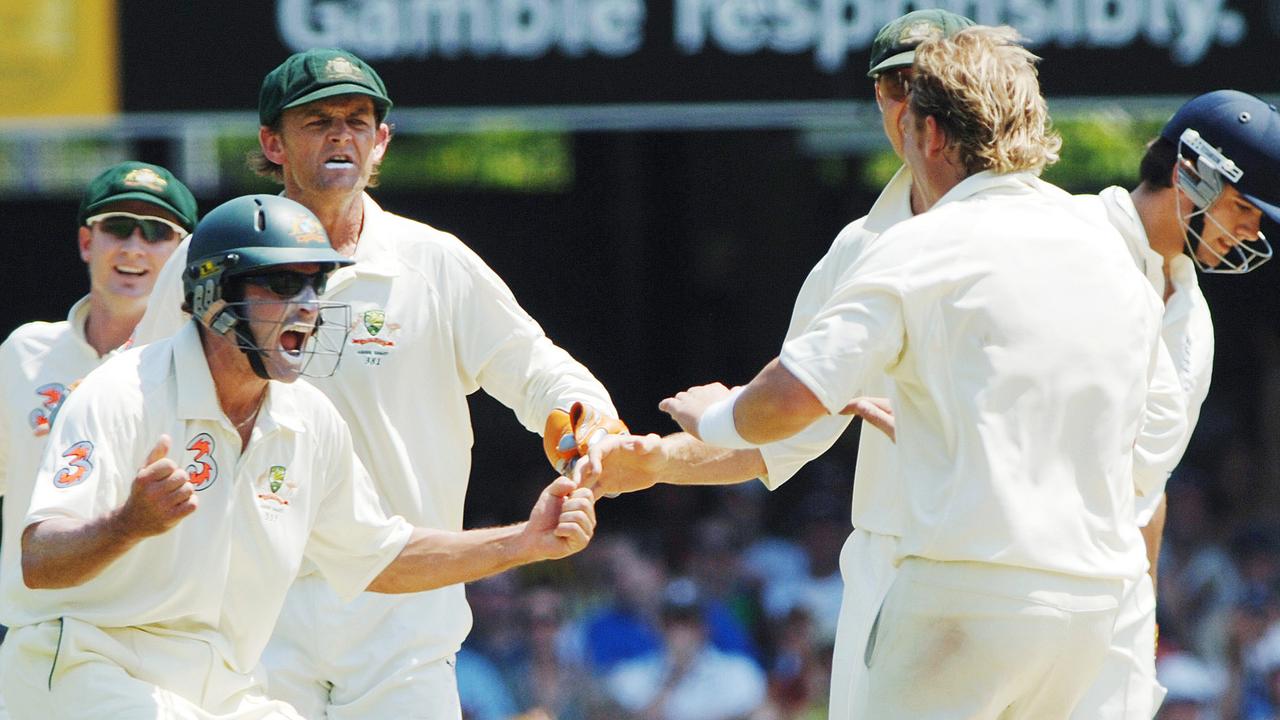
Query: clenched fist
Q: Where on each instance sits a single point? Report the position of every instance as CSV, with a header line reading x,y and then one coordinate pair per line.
x,y
161,495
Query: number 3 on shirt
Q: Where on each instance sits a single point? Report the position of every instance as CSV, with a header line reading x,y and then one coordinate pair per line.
x,y
204,469
78,467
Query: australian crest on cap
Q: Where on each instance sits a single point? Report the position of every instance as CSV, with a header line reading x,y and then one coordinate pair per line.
x,y
147,178
340,68
918,32
307,230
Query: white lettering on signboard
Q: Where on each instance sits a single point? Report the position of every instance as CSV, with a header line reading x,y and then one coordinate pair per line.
x,y
830,30
417,29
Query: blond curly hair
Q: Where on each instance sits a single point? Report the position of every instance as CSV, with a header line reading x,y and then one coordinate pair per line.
x,y
982,89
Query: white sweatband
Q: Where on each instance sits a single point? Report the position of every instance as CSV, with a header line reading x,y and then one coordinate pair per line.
x,y
716,426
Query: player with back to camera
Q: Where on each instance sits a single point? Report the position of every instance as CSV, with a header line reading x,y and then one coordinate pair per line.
x,y
132,215
1194,207
187,480
431,324
971,316
867,561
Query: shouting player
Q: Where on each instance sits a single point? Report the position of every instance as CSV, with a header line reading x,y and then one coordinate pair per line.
x,y
158,569
431,324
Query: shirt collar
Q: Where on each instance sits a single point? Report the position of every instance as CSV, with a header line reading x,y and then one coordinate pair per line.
x,y
1123,215
78,317
374,256
988,180
197,398
894,204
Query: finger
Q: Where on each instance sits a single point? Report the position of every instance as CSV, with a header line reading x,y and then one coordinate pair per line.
x,y
575,527
584,503
186,508
561,487
595,461
666,405
158,471
877,416
160,451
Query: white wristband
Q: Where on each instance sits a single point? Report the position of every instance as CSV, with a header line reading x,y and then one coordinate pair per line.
x,y
716,426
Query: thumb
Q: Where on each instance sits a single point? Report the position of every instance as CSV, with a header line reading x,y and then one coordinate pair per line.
x,y
160,451
561,487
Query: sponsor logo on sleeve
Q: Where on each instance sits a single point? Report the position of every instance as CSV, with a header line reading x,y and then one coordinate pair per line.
x,y
79,465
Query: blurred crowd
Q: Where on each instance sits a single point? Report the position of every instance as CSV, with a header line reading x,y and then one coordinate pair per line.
x,y
725,604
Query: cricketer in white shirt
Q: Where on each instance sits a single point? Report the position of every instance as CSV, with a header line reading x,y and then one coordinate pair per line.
x,y
868,558
879,510
1127,686
41,363
191,610
1015,439
432,324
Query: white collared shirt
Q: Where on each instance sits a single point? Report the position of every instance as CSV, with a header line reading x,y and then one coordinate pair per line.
x,y
1022,345
1187,327
41,363
878,504
222,573
432,323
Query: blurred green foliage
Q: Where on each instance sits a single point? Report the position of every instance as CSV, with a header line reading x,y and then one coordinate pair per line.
x,y
1097,151
504,160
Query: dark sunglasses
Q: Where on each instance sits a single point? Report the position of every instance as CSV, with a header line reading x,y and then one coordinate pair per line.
x,y
288,283
122,225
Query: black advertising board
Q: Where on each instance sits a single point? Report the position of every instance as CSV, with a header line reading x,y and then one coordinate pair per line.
x,y
211,54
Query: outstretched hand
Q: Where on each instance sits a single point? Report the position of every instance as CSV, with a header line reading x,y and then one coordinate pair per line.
x,y
562,521
687,407
874,410
161,494
622,464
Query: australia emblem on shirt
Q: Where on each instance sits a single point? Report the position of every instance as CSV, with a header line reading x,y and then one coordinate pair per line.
x,y
373,336
275,489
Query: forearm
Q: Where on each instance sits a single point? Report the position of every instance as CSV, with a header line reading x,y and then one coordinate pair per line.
x,y
438,558
64,552
692,462
775,406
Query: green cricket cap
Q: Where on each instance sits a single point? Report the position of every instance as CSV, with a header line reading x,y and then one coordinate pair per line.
x,y
317,74
895,44
132,180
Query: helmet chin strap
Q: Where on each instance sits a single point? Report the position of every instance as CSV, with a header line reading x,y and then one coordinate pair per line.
x,y
222,318
254,354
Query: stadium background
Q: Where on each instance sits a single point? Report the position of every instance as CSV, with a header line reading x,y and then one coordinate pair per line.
x,y
654,179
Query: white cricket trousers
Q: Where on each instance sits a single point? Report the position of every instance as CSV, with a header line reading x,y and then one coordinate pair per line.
x,y
333,663
70,670
980,641
867,566
1126,688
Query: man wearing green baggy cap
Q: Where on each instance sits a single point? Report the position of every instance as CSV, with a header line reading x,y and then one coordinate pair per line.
x,y
131,218
431,324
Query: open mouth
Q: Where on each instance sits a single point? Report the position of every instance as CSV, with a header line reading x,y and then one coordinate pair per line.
x,y
339,162
292,340
131,270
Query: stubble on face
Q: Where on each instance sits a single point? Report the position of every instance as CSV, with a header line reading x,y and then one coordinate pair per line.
x,y
330,146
